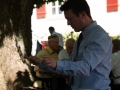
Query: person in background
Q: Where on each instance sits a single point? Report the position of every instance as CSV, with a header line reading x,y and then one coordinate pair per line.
x,y
61,43
89,64
53,42
38,47
115,65
65,53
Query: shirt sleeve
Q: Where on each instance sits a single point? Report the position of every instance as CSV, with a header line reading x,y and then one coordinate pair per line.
x,y
95,53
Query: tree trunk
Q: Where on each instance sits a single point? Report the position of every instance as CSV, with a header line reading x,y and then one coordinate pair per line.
x,y
15,43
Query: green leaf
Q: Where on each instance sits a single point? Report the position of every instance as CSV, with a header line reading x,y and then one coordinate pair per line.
x,y
39,3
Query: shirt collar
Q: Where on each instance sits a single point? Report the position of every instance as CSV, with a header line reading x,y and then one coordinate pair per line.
x,y
89,28
53,32
50,50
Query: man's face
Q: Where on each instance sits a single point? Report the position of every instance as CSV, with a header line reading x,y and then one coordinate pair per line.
x,y
50,31
76,22
54,44
69,48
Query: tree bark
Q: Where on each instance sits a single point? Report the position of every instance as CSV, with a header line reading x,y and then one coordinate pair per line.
x,y
15,43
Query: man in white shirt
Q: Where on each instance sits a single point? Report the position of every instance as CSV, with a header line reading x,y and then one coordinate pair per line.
x,y
115,64
61,43
65,53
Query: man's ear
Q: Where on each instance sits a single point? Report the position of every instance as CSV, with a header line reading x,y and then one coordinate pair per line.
x,y
83,14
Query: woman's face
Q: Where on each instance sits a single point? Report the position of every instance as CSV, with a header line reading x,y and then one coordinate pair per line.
x,y
69,48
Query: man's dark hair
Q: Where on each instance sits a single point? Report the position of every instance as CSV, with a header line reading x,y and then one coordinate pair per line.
x,y
51,28
77,6
116,43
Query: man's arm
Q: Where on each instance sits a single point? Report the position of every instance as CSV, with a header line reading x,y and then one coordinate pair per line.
x,y
97,52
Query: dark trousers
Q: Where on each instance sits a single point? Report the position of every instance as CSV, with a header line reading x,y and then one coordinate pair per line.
x,y
115,87
67,87
58,83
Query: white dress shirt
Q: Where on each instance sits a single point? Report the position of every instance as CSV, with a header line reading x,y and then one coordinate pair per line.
x,y
115,65
63,54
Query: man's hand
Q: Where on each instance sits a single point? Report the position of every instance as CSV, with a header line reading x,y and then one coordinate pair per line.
x,y
34,60
49,61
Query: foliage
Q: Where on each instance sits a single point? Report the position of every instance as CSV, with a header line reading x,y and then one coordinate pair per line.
x,y
71,34
115,37
39,3
75,35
